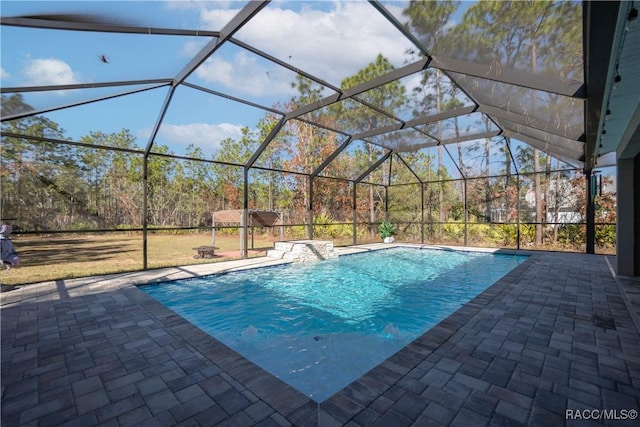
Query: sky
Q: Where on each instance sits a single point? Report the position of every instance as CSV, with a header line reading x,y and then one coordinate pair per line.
x,y
331,40
328,39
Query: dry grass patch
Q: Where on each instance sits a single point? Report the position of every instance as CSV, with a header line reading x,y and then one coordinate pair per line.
x,y
62,257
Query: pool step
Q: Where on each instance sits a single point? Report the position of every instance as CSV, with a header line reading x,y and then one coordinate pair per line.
x,y
303,250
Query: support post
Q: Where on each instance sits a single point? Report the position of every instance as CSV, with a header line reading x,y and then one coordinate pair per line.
x,y
281,215
213,230
591,211
628,217
243,234
518,214
386,202
466,212
422,213
243,216
250,217
354,207
310,212
144,212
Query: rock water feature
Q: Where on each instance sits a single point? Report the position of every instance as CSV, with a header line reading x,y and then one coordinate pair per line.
x,y
303,250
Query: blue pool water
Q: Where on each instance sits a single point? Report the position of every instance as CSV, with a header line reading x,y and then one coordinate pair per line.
x,y
319,326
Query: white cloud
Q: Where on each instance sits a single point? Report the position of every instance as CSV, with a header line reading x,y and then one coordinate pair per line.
x,y
204,135
49,71
4,74
197,4
246,75
191,48
217,17
332,43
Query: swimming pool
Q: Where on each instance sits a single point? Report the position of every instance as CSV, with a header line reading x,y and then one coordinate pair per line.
x,y
319,326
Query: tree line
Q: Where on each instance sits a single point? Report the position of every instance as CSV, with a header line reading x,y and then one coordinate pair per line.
x,y
52,183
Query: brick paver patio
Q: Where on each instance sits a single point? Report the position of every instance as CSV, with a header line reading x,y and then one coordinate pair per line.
x,y
558,333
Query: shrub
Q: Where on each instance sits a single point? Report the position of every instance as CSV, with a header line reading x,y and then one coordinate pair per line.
x,y
606,235
387,229
454,231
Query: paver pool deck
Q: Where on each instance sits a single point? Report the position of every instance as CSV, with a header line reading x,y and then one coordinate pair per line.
x,y
556,335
